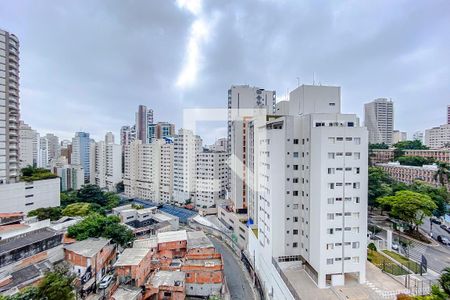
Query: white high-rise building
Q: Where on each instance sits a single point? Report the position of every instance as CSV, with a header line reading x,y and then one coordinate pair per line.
x,y
244,102
312,193
148,170
221,145
26,145
398,136
186,147
107,163
43,152
54,148
211,178
418,136
109,138
379,120
9,100
438,137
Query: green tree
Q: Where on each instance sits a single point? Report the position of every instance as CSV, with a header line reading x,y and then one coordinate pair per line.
x,y
410,145
409,206
112,200
57,285
444,280
29,293
378,146
443,173
379,185
415,160
93,194
439,195
43,213
96,225
77,209
31,173
68,197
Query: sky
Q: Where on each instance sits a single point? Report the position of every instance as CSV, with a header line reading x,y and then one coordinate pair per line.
x,y
87,65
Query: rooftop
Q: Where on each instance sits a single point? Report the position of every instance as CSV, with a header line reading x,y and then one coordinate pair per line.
x,y
167,278
198,239
131,257
162,217
21,276
25,239
88,247
172,236
146,243
203,262
127,293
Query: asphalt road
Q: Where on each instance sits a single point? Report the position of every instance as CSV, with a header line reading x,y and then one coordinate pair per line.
x,y
238,283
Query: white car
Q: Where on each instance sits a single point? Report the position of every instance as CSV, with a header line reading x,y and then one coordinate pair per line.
x,y
105,282
395,247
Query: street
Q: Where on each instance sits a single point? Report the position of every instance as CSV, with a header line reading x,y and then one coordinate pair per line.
x,y
238,283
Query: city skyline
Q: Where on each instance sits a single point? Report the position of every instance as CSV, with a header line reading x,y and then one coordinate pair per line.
x,y
177,56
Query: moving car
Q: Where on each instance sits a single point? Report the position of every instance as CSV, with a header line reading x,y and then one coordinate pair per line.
x,y
436,221
106,281
443,240
443,226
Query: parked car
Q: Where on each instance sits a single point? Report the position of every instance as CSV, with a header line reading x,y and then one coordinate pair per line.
x,y
443,240
436,221
445,227
394,246
106,281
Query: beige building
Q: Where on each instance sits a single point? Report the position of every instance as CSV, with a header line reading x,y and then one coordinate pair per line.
x,y
409,174
438,137
379,120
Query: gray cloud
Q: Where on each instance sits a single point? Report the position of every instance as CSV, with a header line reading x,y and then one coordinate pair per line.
x,y
87,65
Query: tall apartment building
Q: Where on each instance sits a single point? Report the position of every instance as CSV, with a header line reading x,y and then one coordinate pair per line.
x,y
186,147
220,145
418,136
160,130
72,177
211,178
244,102
144,117
43,153
109,138
54,148
438,137
312,193
10,111
149,170
26,145
107,163
379,120
448,114
81,150
398,136
127,135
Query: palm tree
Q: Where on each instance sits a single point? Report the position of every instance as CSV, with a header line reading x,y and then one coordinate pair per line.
x,y
444,280
443,173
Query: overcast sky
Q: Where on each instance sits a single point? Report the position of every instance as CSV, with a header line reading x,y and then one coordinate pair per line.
x,y
87,65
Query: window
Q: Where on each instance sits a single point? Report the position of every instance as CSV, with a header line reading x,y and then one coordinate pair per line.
x,y
330,216
332,104
338,244
330,230
348,139
330,155
348,198
356,199
330,200
329,261
295,232
295,193
330,170
295,206
295,154
350,124
355,229
339,154
348,154
356,215
356,185
338,229
295,245
355,259
357,155
295,180
357,170
338,214
29,196
331,140
295,167
330,247
355,245
295,219
338,259
331,186
339,139
357,140
348,228
338,199
295,141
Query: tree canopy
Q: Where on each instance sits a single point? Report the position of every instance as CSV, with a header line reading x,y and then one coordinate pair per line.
x,y
96,225
410,145
415,160
31,173
91,193
409,206
378,146
43,213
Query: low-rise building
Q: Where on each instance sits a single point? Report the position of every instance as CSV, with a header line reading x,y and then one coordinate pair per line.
x,y
166,285
133,266
442,155
380,156
409,174
90,259
26,196
172,244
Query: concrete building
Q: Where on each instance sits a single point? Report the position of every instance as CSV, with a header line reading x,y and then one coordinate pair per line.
x,y
377,156
54,148
409,174
211,178
448,114
72,177
244,102
107,163
26,196
81,153
442,155
418,136
186,148
438,137
10,112
133,266
312,199
27,149
379,120
127,135
109,138
220,145
43,153
148,170
144,117
399,136
160,130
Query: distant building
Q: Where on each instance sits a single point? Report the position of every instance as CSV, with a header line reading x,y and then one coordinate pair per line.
x,y
81,153
448,114
398,136
133,266
27,149
107,163
144,117
211,178
72,177
409,174
221,145
160,130
54,148
418,136
438,137
379,120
